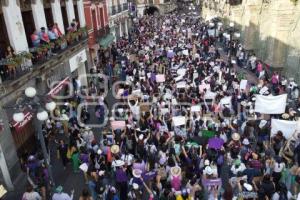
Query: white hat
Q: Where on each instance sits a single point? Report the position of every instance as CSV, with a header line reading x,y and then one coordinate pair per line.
x,y
206,162
262,123
141,136
115,149
101,173
285,116
119,163
137,173
246,141
248,187
175,171
243,103
208,170
235,136
135,186
99,152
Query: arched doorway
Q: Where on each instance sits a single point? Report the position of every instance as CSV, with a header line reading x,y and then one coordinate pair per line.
x,y
151,10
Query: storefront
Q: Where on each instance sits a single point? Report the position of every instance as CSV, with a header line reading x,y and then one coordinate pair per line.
x,y
23,134
78,65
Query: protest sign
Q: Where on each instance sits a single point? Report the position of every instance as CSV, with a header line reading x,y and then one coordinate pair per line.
x,y
117,125
160,78
178,120
243,84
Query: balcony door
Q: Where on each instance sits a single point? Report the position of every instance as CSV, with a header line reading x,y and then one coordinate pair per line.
x,y
94,19
65,17
28,25
4,41
49,17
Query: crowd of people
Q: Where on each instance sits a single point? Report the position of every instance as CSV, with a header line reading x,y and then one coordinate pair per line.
x,y
184,125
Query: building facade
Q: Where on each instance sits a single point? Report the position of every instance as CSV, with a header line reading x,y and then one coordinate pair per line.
x,y
159,6
268,27
119,18
97,21
48,67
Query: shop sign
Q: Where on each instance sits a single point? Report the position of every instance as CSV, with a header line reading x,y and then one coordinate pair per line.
x,y
19,125
76,60
55,90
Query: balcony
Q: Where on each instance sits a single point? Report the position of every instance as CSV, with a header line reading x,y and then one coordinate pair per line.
x,y
25,63
119,8
113,10
125,6
103,32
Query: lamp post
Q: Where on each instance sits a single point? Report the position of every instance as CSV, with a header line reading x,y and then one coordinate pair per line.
x,y
35,104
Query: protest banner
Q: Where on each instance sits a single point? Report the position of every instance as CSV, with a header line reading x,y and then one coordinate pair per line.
x,y
270,104
288,128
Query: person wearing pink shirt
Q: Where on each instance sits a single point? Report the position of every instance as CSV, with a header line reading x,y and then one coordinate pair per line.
x,y
56,30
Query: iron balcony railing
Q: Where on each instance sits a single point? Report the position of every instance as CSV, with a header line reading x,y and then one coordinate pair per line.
x,y
14,67
125,6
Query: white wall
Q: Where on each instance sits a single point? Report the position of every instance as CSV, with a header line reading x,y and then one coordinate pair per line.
x,y
70,11
15,27
39,15
81,15
57,16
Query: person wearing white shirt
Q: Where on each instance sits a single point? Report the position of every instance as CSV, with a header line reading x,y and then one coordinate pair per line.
x,y
237,167
30,194
60,195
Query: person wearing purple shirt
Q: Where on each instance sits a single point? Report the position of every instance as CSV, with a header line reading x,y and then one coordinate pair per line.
x,y
121,180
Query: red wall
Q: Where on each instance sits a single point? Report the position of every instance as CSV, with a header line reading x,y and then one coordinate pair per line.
x,y
89,18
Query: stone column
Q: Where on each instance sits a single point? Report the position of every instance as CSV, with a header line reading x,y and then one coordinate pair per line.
x,y
14,26
81,15
121,31
70,11
57,16
39,14
126,27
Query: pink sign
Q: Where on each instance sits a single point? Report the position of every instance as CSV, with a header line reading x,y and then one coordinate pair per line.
x,y
117,125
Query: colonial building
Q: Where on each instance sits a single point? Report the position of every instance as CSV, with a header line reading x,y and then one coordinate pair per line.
x,y
155,6
97,20
270,28
118,18
27,61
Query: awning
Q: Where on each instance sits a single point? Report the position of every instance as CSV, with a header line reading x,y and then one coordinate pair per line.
x,y
107,40
19,125
58,87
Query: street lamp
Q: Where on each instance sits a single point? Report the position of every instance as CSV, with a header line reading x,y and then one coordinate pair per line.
x,y
34,103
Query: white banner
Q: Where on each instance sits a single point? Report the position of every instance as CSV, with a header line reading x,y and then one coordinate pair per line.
x,y
288,128
270,104
179,120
